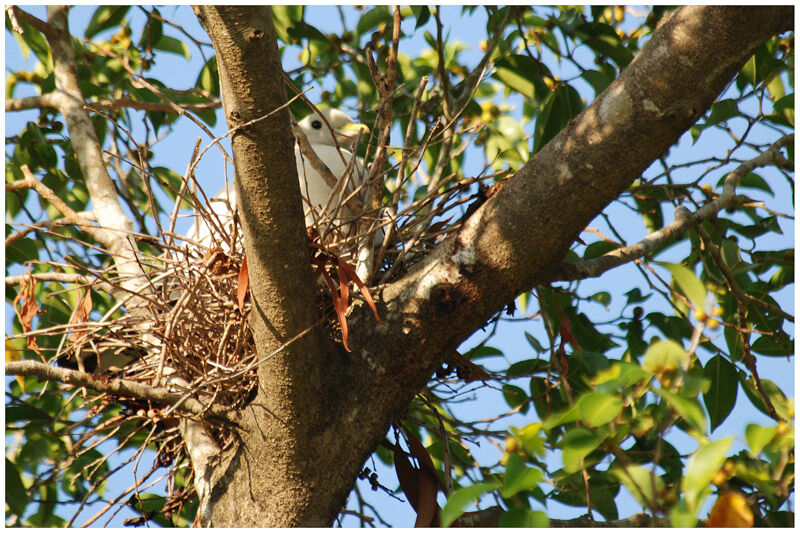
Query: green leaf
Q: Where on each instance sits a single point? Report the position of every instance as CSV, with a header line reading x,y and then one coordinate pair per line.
x,y
681,516
773,392
722,111
689,409
576,444
731,254
422,14
105,17
665,356
532,438
483,351
597,409
173,46
773,345
603,39
519,477
602,297
526,367
751,180
521,517
570,414
640,482
534,342
561,106
734,343
372,19
32,39
757,438
692,287
702,466
523,75
515,396
460,499
16,495
596,249
721,396
171,182
597,80
152,31
286,16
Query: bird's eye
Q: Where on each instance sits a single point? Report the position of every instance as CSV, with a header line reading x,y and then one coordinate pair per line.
x,y
316,124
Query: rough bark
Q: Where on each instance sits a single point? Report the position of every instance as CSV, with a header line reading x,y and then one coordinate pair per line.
x,y
320,412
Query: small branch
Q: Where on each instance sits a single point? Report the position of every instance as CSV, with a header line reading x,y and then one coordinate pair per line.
x,y
684,219
64,277
45,225
12,17
30,182
120,388
140,81
105,105
16,14
49,101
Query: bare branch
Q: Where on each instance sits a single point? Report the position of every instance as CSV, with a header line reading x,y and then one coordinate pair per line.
x,y
16,14
120,388
30,182
64,277
684,220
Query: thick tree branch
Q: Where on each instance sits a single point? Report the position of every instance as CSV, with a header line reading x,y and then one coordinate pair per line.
x,y
520,235
290,425
296,462
120,388
684,220
69,101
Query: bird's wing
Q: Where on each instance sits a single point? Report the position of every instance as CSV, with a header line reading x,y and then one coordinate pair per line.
x,y
314,189
221,209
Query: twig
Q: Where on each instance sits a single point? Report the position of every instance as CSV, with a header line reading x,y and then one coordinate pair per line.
x,y
684,219
30,182
120,388
37,23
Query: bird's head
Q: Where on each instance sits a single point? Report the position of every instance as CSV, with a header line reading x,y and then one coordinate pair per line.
x,y
343,127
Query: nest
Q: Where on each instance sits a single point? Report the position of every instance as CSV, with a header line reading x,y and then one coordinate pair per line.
x,y
186,326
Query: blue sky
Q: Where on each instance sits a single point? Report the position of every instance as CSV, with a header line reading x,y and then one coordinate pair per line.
x,y
174,152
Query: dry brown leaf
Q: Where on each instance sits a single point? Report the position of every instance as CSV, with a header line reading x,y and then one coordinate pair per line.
x,y
28,310
81,315
566,334
338,305
351,274
244,282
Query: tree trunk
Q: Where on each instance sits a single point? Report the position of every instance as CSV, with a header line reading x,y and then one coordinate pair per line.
x,y
320,411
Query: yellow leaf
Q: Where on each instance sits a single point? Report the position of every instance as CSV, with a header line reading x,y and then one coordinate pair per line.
x,y
15,354
730,510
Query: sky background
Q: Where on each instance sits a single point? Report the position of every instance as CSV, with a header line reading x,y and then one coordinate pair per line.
x,y
175,151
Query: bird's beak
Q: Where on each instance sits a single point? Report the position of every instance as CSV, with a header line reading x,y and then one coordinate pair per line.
x,y
349,132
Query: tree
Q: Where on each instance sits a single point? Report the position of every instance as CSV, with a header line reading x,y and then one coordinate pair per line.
x,y
264,401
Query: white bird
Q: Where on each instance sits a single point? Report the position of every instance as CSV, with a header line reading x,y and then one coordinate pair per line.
x,y
315,191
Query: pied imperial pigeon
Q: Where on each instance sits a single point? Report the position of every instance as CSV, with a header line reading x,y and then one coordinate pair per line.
x,y
314,189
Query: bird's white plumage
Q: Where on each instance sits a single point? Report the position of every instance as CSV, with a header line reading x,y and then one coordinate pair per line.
x,y
313,188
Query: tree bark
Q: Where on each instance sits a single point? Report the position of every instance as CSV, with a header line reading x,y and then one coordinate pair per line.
x,y
319,411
